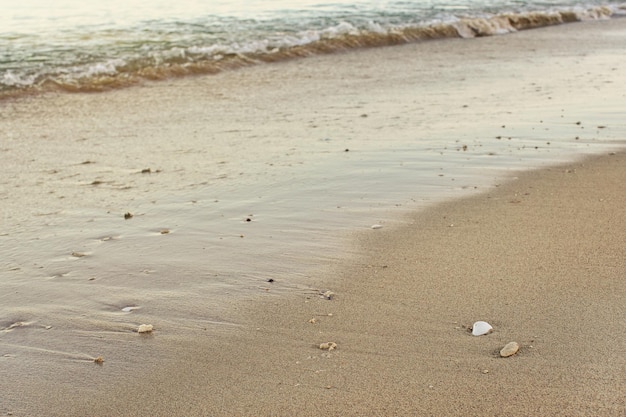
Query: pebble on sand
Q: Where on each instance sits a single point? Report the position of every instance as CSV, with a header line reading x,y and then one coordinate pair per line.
x,y
509,349
145,328
328,346
481,327
328,295
377,226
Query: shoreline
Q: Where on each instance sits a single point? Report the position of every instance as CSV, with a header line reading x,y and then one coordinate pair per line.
x,y
195,267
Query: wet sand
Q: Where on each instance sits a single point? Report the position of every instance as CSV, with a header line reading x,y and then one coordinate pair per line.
x,y
539,257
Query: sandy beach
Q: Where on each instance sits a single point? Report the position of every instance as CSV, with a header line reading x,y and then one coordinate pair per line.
x,y
540,258
222,252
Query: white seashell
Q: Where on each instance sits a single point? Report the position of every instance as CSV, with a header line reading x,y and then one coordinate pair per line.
x,y
481,327
377,226
129,309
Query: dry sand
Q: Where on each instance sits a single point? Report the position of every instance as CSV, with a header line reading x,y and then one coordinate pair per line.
x,y
541,257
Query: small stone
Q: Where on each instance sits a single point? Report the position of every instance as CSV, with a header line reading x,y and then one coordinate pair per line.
x,y
481,327
99,360
128,215
377,226
485,371
313,320
509,349
145,328
328,346
328,295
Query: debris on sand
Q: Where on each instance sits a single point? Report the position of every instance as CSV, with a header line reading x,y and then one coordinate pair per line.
x,y
145,328
327,295
328,346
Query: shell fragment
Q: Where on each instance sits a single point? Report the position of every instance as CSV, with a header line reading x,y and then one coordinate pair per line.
x,y
481,327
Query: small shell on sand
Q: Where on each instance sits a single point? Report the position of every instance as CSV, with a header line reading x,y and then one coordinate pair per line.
x,y
328,295
509,349
377,226
145,328
481,327
328,346
130,308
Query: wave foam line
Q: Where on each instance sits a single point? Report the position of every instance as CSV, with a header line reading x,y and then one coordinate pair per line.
x,y
131,74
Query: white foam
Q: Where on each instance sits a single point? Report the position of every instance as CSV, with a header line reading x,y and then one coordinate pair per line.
x,y
12,80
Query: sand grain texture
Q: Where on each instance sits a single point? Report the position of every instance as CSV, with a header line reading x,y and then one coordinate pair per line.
x,y
542,258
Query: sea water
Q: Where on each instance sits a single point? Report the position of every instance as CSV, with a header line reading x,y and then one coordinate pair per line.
x,y
91,46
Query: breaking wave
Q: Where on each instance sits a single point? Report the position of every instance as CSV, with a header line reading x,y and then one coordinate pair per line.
x,y
214,58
